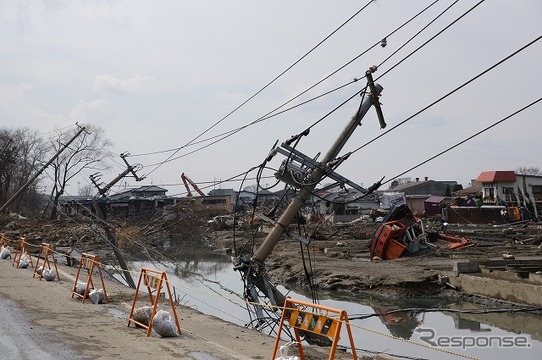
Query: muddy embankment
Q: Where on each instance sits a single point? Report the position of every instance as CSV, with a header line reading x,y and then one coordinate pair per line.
x,y
337,258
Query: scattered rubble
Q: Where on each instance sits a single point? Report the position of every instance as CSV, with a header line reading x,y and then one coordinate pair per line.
x,y
340,254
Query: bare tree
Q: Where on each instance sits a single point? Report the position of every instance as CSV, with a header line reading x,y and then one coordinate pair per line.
x,y
88,152
87,190
528,170
21,154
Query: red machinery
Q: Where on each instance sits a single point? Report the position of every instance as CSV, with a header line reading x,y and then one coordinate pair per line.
x,y
386,241
186,180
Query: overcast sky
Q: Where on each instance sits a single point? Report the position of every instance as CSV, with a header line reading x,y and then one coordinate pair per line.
x,y
157,74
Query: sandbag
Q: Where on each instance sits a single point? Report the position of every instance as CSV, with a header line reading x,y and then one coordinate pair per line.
x,y
80,288
142,315
39,270
284,352
164,324
23,264
97,296
4,253
49,274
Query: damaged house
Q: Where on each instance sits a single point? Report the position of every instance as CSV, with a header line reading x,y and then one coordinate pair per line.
x,y
506,197
423,194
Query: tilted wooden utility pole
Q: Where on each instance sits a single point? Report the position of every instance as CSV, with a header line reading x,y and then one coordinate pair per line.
x,y
101,216
38,173
254,268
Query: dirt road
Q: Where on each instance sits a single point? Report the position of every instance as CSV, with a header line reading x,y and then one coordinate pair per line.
x,y
40,320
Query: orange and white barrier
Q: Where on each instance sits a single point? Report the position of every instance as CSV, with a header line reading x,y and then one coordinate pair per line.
x,y
89,263
153,280
21,252
46,250
321,323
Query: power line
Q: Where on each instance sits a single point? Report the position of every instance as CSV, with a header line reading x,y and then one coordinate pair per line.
x,y
448,94
431,38
275,112
465,140
271,82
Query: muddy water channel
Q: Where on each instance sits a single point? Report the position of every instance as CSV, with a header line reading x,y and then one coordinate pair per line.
x,y
207,282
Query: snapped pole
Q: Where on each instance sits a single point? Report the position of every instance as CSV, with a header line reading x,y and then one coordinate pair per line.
x,y
284,221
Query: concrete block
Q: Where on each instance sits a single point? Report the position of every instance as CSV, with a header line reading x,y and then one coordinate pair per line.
x,y
463,267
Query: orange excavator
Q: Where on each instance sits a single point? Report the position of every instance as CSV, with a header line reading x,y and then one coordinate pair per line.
x,y
457,242
186,180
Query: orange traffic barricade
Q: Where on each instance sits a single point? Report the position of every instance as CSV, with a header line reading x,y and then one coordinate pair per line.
x,y
154,280
320,322
21,252
3,240
46,250
88,263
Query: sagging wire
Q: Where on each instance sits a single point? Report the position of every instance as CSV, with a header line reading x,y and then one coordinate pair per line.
x,y
275,112
466,139
308,272
263,88
537,310
260,168
198,277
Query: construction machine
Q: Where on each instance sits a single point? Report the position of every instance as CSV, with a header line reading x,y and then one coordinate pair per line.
x,y
186,180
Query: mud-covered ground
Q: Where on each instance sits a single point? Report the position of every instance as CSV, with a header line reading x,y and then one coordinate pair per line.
x,y
337,257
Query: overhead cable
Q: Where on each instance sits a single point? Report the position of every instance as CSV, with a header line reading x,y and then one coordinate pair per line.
x,y
271,82
464,141
275,112
448,94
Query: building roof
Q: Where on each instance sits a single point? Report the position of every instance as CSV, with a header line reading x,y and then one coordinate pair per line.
x,y
435,199
496,176
410,185
149,188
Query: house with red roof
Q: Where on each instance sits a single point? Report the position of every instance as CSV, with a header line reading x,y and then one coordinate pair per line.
x,y
511,189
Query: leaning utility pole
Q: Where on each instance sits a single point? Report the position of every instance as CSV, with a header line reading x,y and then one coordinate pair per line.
x,y
305,177
38,173
101,216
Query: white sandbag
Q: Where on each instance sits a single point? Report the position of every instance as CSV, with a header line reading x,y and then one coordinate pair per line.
x,y
97,296
49,274
284,352
23,264
80,288
164,324
4,253
39,270
142,315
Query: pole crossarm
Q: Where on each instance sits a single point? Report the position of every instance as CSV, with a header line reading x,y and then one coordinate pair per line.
x,y
304,173
101,216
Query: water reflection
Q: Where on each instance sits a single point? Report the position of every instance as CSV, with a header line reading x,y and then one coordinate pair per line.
x,y
400,324
206,281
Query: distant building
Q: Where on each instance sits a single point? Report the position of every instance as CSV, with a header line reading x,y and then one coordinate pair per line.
x,y
345,206
508,188
147,191
417,192
505,197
